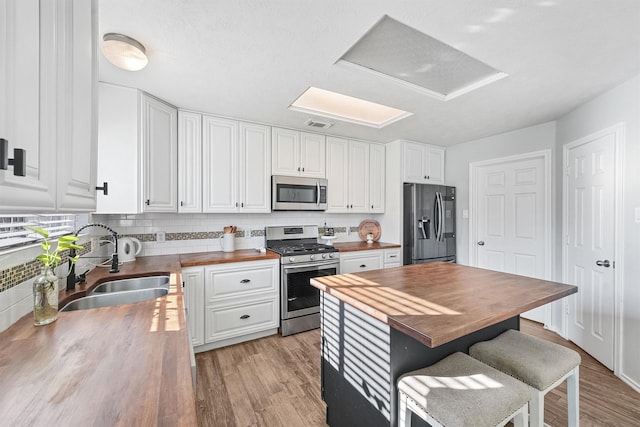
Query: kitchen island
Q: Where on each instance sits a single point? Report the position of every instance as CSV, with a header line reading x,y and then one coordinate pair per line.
x,y
379,324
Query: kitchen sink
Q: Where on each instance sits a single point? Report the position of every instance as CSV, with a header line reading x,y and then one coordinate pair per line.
x,y
115,298
134,284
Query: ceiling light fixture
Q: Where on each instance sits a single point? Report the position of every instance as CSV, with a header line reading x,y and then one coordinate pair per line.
x,y
124,52
346,108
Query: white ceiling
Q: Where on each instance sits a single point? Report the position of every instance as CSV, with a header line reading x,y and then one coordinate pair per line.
x,y
249,59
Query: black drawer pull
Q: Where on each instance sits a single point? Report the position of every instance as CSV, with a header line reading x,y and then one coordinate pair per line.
x,y
363,265
244,316
245,280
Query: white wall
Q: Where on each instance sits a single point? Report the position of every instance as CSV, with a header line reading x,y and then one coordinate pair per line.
x,y
458,158
621,104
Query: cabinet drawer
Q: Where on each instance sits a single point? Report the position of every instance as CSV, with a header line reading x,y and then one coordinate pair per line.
x,y
231,284
392,256
355,265
241,319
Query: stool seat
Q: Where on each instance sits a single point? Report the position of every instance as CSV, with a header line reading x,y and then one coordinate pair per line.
x,y
461,391
540,364
532,360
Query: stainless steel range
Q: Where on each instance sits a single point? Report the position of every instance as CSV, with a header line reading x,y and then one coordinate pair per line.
x,y
301,258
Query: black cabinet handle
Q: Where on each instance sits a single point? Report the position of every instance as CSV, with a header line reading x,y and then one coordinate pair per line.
x,y
363,265
244,316
181,203
148,202
302,169
19,161
104,188
298,168
245,280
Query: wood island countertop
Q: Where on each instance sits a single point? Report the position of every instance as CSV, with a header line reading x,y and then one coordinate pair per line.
x,y
438,302
363,246
120,365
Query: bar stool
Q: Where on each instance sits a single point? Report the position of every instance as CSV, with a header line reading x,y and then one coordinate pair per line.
x,y
460,391
540,364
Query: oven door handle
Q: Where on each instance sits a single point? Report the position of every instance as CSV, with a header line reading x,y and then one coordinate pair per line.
x,y
311,265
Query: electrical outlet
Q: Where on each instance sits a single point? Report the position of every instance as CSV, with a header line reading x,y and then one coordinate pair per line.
x,y
160,237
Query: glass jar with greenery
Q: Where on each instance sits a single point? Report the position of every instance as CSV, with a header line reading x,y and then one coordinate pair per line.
x,y
45,286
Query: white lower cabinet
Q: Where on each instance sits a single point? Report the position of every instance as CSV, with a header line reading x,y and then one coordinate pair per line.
x,y
359,261
232,303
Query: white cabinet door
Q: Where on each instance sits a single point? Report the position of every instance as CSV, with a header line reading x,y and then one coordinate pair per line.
x,y
436,165
312,155
286,152
160,155
423,164
189,162
77,97
358,176
193,281
118,149
220,164
24,90
255,167
377,179
337,175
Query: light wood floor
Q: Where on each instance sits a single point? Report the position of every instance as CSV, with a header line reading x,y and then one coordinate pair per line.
x,y
275,381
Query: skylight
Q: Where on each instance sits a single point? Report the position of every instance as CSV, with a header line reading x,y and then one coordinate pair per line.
x,y
346,108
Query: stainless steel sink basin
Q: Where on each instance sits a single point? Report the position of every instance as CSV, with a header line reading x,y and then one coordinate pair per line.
x,y
134,284
115,298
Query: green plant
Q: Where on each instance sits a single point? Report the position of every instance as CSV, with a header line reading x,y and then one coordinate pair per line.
x,y
51,259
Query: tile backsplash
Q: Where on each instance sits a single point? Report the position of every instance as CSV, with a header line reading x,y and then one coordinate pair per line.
x,y
182,233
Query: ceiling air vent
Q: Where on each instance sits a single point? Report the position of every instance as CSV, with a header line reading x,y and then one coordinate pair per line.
x,y
318,124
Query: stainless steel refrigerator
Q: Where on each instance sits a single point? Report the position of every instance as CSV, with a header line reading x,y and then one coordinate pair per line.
x,y
429,223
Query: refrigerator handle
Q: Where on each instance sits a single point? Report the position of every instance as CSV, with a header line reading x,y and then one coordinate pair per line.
x,y
436,217
440,216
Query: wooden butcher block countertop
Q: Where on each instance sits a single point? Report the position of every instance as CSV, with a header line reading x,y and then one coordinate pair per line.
x,y
124,365
438,302
363,246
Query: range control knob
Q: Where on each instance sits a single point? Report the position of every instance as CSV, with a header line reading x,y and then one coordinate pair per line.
x,y
312,257
292,259
324,256
331,255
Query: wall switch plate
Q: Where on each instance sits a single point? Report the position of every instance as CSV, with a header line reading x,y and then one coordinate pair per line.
x,y
465,213
637,214
160,237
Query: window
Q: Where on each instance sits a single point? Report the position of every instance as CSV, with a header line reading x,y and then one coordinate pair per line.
x,y
13,232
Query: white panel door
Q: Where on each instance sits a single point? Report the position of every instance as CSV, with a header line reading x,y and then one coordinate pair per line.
x,y
286,152
377,180
513,220
590,245
220,165
193,281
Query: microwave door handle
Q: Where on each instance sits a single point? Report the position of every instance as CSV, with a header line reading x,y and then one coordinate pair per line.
x,y
317,193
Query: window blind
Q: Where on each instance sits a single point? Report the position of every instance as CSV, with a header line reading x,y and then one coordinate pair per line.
x,y
13,230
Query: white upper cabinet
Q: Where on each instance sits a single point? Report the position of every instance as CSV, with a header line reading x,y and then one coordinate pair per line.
x,y
356,183
159,136
423,164
189,162
377,181
236,171
137,152
255,168
298,153
49,65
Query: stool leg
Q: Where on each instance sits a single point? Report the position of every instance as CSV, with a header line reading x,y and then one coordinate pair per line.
x,y
536,408
573,397
404,413
520,419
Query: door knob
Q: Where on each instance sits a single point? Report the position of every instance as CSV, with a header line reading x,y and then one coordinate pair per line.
x,y
604,263
481,243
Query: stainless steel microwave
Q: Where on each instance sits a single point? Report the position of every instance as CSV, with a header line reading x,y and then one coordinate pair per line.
x,y
294,193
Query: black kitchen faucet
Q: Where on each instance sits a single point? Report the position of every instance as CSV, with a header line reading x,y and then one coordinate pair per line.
x,y
71,278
